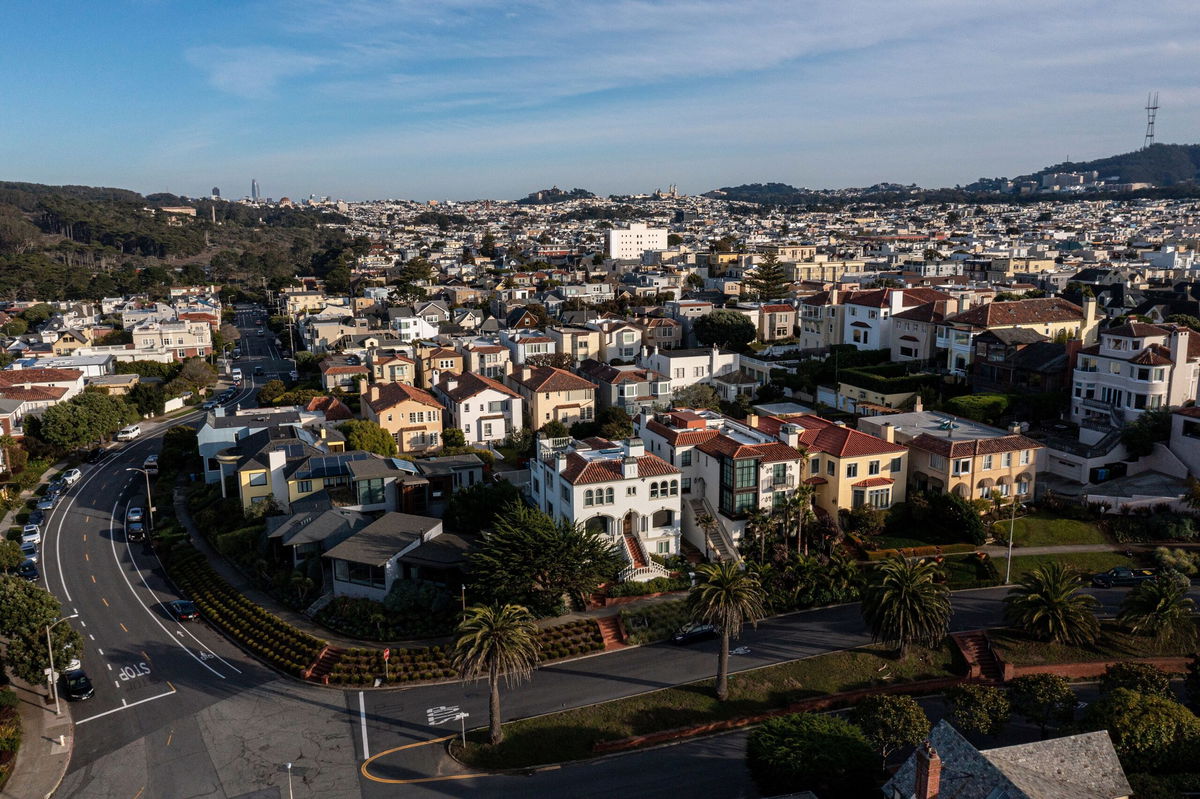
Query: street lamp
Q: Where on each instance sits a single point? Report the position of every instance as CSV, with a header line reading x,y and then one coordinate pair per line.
x,y
50,652
149,498
289,770
1012,523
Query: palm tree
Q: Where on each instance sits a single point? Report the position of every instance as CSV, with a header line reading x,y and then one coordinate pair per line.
x,y
758,525
708,524
1162,609
1046,603
903,604
726,596
499,641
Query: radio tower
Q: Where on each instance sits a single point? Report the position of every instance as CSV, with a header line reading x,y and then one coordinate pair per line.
x,y
1151,112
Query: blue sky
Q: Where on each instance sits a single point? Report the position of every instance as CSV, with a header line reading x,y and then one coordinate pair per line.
x,y
460,99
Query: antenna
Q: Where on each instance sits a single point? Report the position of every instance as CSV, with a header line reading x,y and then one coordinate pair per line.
x,y
1151,112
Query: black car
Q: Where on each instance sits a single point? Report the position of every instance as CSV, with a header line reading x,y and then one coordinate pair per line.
x,y
96,455
135,531
28,570
693,632
182,610
36,517
76,686
56,487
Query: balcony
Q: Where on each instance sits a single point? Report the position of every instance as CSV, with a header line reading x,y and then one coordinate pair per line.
x,y
1100,405
773,484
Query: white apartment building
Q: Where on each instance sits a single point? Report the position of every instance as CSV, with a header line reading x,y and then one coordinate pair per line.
x,y
616,489
633,241
525,344
618,339
685,367
485,410
867,321
1135,368
180,339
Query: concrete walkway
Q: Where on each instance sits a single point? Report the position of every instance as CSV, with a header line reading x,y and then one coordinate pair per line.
x,y
46,742
997,551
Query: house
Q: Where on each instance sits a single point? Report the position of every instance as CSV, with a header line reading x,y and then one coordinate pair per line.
x,y
525,344
483,408
366,564
221,430
521,318
617,490
180,339
70,340
821,320
776,322
552,394
412,416
447,474
433,360
342,371
1018,360
1053,317
688,366
408,325
314,525
38,388
1134,368
391,367
868,321
489,360
631,388
914,331
659,331
115,385
973,460
332,408
947,765
580,343
619,340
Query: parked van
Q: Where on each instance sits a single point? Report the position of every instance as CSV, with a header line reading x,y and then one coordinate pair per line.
x,y
236,374
129,433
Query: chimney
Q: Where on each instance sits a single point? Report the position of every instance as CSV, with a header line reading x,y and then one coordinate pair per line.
x,y
964,302
450,383
918,406
929,773
362,386
1015,428
752,421
1089,313
629,467
1179,346
889,432
790,434
560,462
833,296
634,448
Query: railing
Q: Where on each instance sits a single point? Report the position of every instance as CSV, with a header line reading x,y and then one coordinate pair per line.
x,y
642,575
776,484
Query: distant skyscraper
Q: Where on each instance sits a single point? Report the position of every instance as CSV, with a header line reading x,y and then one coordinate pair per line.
x,y
254,189
216,193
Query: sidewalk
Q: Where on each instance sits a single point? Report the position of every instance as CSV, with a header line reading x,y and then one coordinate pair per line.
x,y
42,761
995,550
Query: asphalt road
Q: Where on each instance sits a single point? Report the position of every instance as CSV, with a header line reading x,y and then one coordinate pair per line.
x,y
181,712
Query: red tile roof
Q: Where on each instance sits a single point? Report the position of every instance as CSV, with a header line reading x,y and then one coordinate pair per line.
x,y
681,437
580,470
951,448
392,394
25,377
777,309
549,378
871,482
821,435
334,409
1020,312
724,446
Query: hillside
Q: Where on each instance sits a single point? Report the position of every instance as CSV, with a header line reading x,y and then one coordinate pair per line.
x,y
1160,164
554,195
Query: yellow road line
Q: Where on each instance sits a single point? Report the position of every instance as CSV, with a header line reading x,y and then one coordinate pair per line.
x,y
170,736
123,627
105,601
139,793
364,769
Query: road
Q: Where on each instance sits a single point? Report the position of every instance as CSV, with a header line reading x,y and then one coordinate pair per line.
x,y
181,712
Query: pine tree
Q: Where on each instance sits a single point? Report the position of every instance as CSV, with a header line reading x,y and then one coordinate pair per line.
x,y
768,280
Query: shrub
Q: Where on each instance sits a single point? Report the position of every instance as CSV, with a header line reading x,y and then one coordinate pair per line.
x,y
655,586
1141,678
825,754
1180,560
655,623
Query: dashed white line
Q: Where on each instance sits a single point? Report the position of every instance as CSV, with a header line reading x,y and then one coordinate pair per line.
x,y
362,719
100,651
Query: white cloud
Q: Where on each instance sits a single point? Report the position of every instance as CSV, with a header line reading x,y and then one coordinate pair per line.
x,y
251,72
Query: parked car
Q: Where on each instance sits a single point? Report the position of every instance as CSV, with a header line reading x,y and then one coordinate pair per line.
x,y
135,531
134,514
36,517
1122,576
96,455
693,632
56,486
182,610
48,502
208,405
28,570
151,465
31,534
76,686
129,433
71,476
30,551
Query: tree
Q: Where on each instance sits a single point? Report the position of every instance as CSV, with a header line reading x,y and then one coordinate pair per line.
x,y
271,391
530,559
697,396
1140,435
25,612
694,281
1142,678
368,436
84,419
1047,605
1161,609
453,437
1042,699
1150,733
474,508
615,424
195,376
559,360
15,327
496,641
979,708
825,754
229,333
1186,320
890,723
10,555
724,328
555,429
904,604
148,399
726,596
768,280
417,270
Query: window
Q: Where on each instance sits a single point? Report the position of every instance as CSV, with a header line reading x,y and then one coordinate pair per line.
x,y
359,573
487,429
745,502
852,470
370,491
654,491
962,466
873,467
565,492
685,458
608,496
589,498
687,485
663,547
779,474
830,467
746,474
258,478
814,466
674,488
880,497
631,491
859,498
1022,487
1007,460
896,464
304,486
987,462
1024,457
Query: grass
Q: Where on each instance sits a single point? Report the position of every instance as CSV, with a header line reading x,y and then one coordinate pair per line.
x,y
1115,643
1085,562
1041,530
571,734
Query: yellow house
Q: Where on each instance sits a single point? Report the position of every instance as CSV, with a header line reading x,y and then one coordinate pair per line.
x,y
411,415
393,368
69,341
554,395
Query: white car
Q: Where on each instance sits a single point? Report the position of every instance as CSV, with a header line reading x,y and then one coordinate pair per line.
x,y
31,534
71,476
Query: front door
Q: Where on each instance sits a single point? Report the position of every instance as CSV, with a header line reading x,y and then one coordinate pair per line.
x,y
627,524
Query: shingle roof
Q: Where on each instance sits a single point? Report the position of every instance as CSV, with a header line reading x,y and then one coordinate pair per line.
x,y
1020,312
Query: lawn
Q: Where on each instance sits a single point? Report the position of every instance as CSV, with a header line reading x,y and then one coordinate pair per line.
x,y
1115,643
1040,530
1085,562
571,734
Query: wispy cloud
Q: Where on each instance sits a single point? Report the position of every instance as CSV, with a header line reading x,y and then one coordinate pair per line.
x,y
251,72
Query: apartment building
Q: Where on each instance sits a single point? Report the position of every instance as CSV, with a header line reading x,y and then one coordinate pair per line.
x,y
391,367
1052,317
630,388
580,343
489,360
182,339
687,366
525,344
776,322
631,242
552,394
484,409
433,361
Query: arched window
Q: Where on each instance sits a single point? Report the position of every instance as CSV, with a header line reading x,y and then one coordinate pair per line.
x,y
654,491
674,487
608,496
588,498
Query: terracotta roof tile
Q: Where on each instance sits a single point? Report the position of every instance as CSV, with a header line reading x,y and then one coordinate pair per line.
x,y
1020,312
549,378
392,394
871,482
951,448
469,384
580,470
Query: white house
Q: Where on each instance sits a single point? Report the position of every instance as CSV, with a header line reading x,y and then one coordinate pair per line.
x,y
686,367
484,409
867,319
618,339
616,489
368,562
525,344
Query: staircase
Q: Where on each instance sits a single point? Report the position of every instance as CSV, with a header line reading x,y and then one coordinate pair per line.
x,y
319,605
610,630
635,551
323,666
718,539
977,651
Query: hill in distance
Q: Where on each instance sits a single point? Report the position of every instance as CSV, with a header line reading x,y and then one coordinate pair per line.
x,y
1160,164
554,195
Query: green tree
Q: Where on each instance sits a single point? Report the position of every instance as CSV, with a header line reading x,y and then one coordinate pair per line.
x,y
1161,609
724,328
768,280
25,612
697,396
85,418
453,437
1186,320
1047,605
148,399
726,596
555,429
497,641
979,708
904,604
195,376
1042,699
271,391
15,327
825,754
1140,435
1150,733
417,270
890,723
36,314
1142,678
10,555
473,509
531,559
694,281
368,436
615,424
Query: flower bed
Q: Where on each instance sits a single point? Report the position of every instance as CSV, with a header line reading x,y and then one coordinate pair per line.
x,y
925,551
569,640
